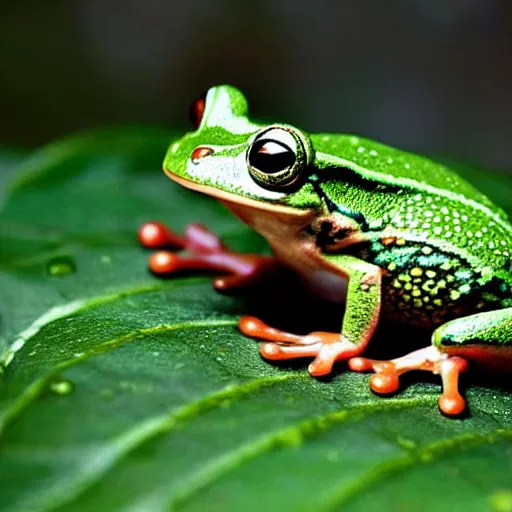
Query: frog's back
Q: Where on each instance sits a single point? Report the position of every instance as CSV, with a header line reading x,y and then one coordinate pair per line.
x,y
444,246
423,199
377,162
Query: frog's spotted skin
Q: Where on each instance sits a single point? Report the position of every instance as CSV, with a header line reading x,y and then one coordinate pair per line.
x,y
425,286
414,240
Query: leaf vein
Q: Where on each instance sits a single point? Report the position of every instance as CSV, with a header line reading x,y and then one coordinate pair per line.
x,y
104,460
291,436
35,388
76,306
423,455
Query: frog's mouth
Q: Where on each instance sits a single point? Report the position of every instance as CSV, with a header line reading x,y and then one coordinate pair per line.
x,y
229,198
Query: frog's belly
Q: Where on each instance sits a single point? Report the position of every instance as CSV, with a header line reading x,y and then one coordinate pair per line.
x,y
315,278
286,239
325,285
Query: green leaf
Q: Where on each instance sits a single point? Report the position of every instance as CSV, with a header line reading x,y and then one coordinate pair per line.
x,y
122,391
9,160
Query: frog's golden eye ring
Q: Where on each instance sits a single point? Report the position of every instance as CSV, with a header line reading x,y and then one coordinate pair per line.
x,y
196,111
278,157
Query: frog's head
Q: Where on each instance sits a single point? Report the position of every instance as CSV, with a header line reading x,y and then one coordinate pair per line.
x,y
240,162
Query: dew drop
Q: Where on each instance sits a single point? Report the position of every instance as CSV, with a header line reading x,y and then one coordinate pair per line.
x,y
61,387
501,501
61,266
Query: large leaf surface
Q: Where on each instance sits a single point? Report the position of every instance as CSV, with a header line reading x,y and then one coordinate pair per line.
x,y
126,392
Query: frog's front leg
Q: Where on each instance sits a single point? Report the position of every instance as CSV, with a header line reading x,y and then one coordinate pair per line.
x,y
483,337
205,251
359,322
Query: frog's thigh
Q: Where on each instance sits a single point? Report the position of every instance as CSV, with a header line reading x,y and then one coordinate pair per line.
x,y
485,337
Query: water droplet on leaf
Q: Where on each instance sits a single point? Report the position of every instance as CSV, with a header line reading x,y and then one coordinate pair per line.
x,y
61,387
61,266
501,501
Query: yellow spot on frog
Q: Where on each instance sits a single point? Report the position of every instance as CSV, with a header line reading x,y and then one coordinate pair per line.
x,y
454,295
416,272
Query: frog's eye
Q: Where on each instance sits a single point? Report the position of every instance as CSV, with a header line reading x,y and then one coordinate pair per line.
x,y
277,158
196,111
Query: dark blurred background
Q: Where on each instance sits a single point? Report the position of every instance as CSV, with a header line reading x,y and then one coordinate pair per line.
x,y
429,76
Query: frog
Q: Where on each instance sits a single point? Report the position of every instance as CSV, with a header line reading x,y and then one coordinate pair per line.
x,y
390,234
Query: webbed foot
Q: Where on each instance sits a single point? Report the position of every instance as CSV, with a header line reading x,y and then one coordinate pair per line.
x,y
430,359
204,251
325,347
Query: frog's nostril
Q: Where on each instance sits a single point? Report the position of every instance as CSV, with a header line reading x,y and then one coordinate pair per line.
x,y
199,153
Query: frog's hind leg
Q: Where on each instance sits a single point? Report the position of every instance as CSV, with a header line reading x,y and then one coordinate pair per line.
x,y
359,322
483,337
204,251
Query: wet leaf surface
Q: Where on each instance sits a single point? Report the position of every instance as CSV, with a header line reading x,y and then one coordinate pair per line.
x,y
122,391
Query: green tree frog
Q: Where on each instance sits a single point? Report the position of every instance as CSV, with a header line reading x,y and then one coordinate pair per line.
x,y
389,232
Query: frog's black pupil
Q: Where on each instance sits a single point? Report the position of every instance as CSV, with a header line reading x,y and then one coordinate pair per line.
x,y
270,156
